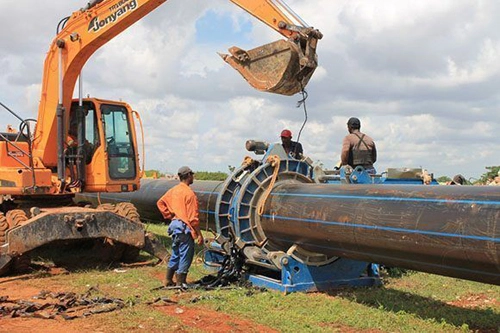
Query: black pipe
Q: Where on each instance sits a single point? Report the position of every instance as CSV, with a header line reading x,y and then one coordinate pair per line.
x,y
445,230
151,190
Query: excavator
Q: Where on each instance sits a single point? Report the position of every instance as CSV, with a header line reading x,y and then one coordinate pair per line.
x,y
90,144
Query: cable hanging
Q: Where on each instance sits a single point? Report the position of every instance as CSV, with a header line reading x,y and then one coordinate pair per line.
x,y
302,102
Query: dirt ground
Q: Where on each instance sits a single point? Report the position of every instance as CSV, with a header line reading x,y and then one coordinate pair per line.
x,y
475,301
177,318
192,318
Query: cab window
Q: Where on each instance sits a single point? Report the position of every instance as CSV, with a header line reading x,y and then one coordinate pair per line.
x,y
119,145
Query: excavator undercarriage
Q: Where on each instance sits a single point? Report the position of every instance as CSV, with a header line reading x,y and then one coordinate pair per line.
x,y
117,226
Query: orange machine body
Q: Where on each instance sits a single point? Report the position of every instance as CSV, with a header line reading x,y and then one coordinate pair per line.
x,y
111,161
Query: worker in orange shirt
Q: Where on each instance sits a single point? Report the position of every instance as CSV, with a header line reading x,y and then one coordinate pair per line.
x,y
180,205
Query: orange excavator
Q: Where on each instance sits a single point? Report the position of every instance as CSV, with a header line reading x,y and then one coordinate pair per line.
x,y
90,144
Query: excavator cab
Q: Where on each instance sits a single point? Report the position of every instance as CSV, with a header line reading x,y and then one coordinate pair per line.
x,y
109,147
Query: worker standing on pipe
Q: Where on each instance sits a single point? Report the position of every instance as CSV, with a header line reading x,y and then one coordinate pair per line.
x,y
180,205
292,148
358,149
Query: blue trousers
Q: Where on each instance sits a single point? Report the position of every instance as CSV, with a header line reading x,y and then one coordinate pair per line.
x,y
182,253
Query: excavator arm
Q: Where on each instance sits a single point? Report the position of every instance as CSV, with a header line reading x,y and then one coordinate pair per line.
x,y
272,13
85,31
282,67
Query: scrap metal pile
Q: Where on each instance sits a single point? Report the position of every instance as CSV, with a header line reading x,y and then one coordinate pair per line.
x,y
67,305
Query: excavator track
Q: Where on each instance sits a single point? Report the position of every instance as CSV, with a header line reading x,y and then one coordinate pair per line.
x,y
16,218
4,225
116,231
122,252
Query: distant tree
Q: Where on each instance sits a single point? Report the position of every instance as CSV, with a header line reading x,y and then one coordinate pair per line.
x,y
490,174
153,174
208,175
443,179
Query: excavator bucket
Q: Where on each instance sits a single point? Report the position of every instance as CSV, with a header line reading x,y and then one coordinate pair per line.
x,y
279,67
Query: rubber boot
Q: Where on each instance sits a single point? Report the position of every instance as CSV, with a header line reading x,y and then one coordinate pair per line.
x,y
181,279
169,282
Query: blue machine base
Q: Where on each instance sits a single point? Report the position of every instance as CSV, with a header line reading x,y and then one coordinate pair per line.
x,y
296,276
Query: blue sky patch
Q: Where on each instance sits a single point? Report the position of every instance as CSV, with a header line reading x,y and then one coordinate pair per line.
x,y
216,28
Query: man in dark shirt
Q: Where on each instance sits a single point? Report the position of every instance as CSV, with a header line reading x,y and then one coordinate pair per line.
x,y
292,148
358,148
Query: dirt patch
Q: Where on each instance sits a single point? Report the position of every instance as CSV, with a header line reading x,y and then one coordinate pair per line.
x,y
31,325
334,327
28,285
475,301
208,320
160,276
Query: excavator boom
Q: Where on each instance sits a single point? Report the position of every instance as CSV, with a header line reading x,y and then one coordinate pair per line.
x,y
282,67
85,31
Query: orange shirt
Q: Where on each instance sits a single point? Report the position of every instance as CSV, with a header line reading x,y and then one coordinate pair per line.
x,y
180,203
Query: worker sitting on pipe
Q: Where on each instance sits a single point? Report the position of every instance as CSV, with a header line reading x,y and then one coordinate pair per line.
x,y
292,148
358,149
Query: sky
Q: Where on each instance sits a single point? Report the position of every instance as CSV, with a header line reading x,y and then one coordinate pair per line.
x,y
423,77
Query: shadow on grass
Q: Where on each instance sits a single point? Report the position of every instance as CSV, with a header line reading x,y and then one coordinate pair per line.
x,y
164,240
84,255
396,301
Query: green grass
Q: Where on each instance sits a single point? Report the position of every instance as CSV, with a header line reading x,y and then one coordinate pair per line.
x,y
414,302
355,308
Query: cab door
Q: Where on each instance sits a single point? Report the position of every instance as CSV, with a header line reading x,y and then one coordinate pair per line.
x,y
114,166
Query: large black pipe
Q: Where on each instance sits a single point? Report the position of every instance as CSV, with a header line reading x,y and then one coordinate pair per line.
x,y
445,230
153,189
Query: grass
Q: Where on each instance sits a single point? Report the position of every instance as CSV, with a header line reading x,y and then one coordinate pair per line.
x,y
414,302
